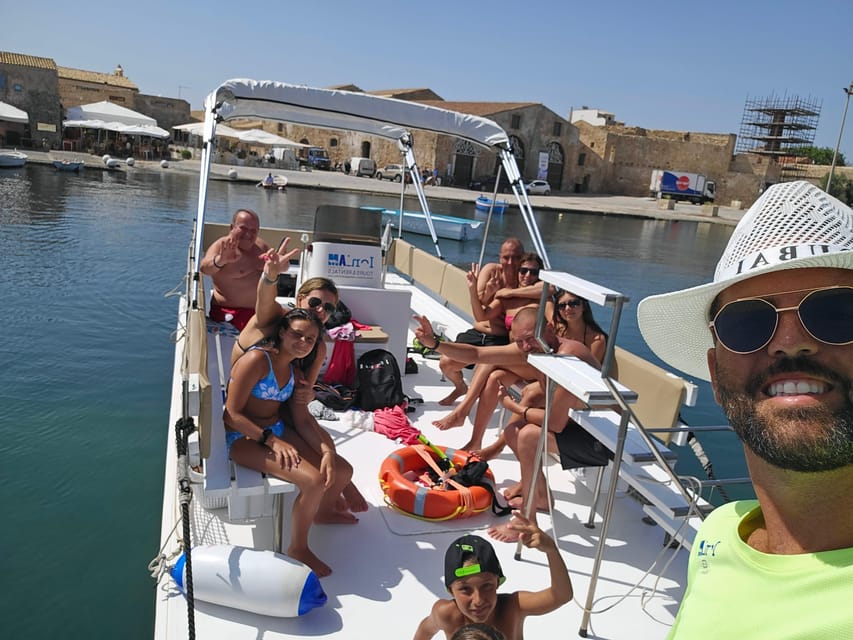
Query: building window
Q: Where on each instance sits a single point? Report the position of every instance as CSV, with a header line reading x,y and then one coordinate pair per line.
x,y
117,99
581,159
2,80
18,87
280,127
558,129
333,142
515,122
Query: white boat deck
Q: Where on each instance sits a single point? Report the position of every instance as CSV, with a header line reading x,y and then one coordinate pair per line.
x,y
388,568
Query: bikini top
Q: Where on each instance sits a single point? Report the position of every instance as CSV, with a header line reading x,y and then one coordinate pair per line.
x,y
267,387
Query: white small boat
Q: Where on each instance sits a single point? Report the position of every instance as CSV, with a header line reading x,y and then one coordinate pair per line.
x,y
68,165
448,227
484,203
12,159
278,183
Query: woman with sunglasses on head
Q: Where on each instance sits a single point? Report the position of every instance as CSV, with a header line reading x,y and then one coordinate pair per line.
x,y
298,451
320,297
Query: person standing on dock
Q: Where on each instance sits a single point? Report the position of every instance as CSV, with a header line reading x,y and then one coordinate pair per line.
x,y
235,264
773,333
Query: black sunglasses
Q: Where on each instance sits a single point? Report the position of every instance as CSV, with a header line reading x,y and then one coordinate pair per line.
x,y
534,271
569,303
747,325
315,302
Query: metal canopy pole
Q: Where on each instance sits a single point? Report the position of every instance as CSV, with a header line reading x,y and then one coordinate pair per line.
x,y
512,172
405,144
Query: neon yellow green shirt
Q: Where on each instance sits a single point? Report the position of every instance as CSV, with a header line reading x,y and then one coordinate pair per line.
x,y
734,591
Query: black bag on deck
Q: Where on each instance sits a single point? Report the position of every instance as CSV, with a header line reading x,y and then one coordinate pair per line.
x,y
473,474
378,380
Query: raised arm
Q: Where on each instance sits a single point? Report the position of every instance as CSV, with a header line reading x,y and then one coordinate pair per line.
x,y
267,310
506,355
483,312
560,591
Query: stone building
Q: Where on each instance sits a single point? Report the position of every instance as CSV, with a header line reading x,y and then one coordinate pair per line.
x,y
30,84
617,159
544,143
77,86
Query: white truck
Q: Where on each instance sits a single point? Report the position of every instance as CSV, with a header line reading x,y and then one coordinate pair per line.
x,y
682,185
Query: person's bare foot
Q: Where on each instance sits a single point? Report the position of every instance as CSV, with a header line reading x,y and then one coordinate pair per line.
x,y
449,421
471,446
334,517
518,503
513,492
307,557
454,395
492,451
355,502
502,533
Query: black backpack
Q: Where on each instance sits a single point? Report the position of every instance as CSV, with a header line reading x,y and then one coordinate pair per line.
x,y
378,380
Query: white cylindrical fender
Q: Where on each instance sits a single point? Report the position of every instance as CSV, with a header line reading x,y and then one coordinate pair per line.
x,y
262,582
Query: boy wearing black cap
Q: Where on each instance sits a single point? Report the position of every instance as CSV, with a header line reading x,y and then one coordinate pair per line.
x,y
472,575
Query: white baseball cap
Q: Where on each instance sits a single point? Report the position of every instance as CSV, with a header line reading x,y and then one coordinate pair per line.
x,y
792,225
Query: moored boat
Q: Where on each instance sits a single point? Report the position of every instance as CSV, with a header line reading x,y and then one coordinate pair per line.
x,y
485,203
12,159
387,568
447,227
68,165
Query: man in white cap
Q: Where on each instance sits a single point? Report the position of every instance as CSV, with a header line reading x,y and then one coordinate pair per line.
x,y
774,334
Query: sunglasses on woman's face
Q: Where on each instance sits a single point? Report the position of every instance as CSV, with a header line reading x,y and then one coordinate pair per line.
x,y
523,271
569,303
315,302
747,325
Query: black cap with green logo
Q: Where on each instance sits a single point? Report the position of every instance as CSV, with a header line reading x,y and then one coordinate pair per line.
x,y
477,553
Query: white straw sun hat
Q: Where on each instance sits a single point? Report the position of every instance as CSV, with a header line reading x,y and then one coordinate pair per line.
x,y
791,226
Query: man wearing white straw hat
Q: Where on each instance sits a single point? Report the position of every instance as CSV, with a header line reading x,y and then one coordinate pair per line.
x,y
774,334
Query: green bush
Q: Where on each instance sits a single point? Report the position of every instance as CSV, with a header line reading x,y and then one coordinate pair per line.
x,y
186,154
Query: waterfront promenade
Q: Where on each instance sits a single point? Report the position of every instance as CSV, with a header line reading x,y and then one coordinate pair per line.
x,y
642,207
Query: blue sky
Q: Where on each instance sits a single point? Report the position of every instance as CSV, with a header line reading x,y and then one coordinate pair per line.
x,y
686,66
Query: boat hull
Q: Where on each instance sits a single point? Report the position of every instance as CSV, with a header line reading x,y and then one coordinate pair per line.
x,y
448,227
65,165
484,204
12,159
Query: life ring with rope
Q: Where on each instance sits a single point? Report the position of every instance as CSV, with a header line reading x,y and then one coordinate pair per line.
x,y
415,484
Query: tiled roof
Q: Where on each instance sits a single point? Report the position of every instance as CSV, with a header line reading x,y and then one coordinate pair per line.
x,y
96,78
22,60
346,87
478,108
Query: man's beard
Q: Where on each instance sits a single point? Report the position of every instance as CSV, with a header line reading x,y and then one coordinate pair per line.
x,y
806,439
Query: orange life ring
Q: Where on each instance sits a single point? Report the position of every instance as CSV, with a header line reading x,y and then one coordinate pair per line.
x,y
419,501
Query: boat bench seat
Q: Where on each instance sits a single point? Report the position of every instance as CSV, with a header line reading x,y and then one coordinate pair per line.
x,y
656,399
247,493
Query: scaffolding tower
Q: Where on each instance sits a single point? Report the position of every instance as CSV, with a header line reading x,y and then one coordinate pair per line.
x,y
779,127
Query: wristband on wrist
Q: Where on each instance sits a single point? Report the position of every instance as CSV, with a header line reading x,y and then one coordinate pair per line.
x,y
524,414
218,266
267,280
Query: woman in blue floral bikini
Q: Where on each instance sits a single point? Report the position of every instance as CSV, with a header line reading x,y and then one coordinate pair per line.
x,y
302,453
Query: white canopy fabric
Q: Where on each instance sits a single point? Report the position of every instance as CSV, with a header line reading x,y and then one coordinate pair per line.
x,y
265,138
197,129
347,110
9,113
127,129
109,112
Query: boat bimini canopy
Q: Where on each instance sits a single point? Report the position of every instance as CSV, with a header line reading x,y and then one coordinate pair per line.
x,y
351,111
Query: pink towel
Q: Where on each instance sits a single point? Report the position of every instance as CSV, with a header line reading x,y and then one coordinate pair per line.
x,y
393,423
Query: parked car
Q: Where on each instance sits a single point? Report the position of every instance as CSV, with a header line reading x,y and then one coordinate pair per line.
x,y
538,188
487,183
391,172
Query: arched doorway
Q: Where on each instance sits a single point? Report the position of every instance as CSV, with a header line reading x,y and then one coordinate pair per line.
x,y
556,161
365,149
463,162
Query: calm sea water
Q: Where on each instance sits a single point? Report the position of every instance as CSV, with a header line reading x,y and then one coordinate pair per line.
x,y
86,364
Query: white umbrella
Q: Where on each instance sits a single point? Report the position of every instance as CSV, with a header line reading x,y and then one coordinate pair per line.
x,y
9,113
197,129
265,138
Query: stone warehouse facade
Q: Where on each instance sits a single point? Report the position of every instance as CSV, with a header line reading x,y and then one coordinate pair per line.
x,y
44,90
